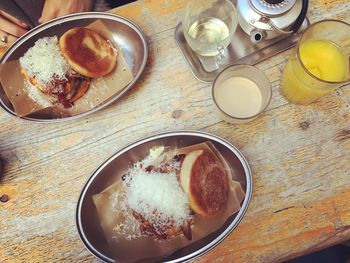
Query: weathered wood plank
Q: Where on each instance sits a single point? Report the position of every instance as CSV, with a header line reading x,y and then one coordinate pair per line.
x,y
299,156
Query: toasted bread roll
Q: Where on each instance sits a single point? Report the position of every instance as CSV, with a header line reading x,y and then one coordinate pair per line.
x,y
204,180
87,52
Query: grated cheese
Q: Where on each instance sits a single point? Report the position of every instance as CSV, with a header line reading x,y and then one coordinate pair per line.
x,y
36,95
44,61
130,227
157,196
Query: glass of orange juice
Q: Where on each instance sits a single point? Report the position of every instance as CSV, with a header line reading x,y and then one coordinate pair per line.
x,y
319,64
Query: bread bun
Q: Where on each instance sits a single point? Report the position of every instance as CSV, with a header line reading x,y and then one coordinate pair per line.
x,y
205,181
87,52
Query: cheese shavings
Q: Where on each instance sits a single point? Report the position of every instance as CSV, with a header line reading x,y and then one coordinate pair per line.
x,y
36,95
158,197
44,61
129,227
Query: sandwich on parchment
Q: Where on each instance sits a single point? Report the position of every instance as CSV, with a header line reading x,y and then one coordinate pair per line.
x,y
200,175
171,199
164,195
63,68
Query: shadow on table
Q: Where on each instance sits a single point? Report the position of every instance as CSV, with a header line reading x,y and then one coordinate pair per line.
x,y
114,3
336,254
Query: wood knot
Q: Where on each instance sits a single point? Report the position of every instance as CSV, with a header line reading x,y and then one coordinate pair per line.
x,y
4,198
176,114
304,125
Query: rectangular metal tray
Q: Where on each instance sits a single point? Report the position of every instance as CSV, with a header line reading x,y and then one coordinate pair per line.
x,y
240,51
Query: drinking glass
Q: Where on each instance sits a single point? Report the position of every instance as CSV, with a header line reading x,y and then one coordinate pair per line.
x,y
241,93
209,25
319,63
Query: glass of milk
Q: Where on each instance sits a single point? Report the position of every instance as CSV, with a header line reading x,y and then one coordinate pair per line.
x,y
241,93
209,25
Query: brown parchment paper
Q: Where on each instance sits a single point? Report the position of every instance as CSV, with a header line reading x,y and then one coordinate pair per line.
x,y
149,249
101,89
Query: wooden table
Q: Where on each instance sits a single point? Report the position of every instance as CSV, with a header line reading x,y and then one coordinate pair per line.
x,y
299,156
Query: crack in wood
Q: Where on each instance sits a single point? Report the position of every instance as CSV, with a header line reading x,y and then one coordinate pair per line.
x,y
283,209
337,222
343,135
312,188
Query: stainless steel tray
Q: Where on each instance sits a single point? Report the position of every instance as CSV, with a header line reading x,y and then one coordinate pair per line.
x,y
126,35
240,51
107,173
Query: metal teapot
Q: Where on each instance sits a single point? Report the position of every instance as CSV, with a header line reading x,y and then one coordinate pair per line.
x,y
267,19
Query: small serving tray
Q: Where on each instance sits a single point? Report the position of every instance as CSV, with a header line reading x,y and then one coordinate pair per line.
x,y
240,51
106,174
127,36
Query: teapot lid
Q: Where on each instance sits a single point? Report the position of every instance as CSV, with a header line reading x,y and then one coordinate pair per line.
x,y
272,7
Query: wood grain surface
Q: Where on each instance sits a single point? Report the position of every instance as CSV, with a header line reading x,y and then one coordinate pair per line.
x,y
299,155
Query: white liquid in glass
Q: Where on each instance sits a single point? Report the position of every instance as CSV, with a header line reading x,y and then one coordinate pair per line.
x,y
239,97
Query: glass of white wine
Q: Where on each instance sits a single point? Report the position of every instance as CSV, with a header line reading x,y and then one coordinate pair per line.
x,y
209,25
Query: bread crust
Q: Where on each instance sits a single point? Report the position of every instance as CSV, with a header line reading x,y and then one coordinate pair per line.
x,y
87,52
205,181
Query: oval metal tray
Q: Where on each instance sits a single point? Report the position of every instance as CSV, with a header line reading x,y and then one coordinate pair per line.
x,y
88,225
128,37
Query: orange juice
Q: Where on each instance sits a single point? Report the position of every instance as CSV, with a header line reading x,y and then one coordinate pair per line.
x,y
322,59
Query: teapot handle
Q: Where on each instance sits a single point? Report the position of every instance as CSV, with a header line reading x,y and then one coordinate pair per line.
x,y
301,17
